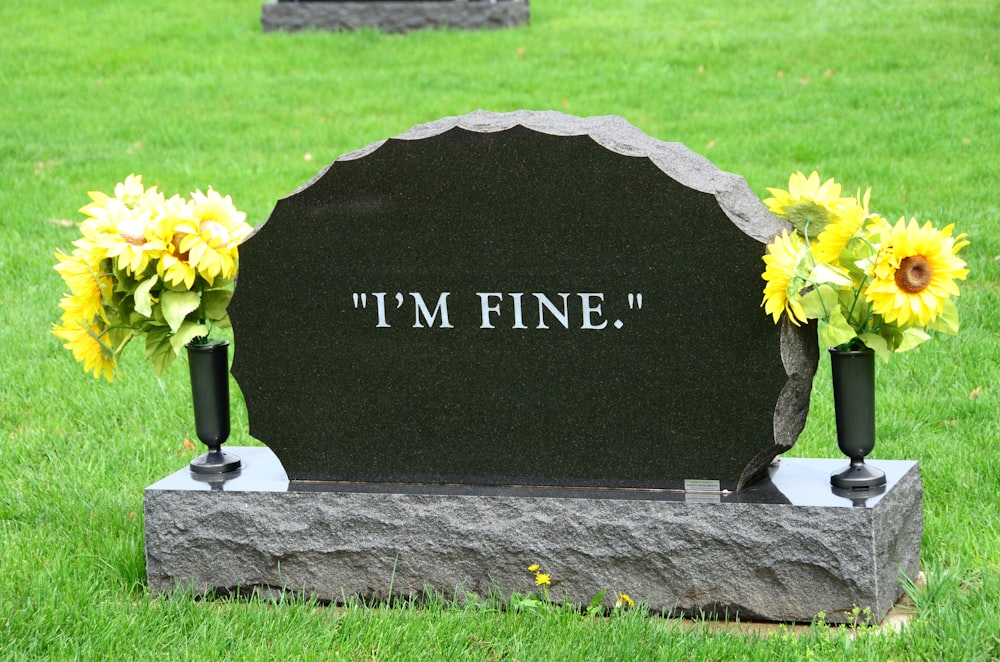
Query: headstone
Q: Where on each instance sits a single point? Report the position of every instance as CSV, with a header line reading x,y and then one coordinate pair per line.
x,y
519,299
507,339
393,15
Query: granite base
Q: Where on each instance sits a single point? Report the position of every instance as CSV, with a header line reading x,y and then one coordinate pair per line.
x,y
785,549
394,16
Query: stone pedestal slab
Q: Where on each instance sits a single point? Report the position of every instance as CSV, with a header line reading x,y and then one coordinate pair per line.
x,y
393,16
785,549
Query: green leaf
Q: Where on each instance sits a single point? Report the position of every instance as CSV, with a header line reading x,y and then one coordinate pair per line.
x,y
187,332
819,302
123,315
947,320
177,305
159,350
595,602
527,602
859,253
221,283
216,302
836,331
891,334
823,273
124,282
143,299
913,337
876,342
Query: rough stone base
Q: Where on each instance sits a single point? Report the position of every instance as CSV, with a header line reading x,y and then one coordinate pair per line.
x,y
783,550
394,16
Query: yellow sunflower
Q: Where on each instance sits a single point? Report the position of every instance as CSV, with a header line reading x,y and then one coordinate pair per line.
x,y
915,272
84,341
834,238
782,260
79,308
211,236
88,286
130,193
173,266
808,204
125,236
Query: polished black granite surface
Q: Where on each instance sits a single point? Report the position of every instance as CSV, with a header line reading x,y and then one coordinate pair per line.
x,y
495,304
793,481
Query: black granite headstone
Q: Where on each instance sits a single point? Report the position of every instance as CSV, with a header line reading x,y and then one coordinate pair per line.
x,y
519,299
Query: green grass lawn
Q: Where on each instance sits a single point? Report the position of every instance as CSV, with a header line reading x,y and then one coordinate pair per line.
x,y
903,96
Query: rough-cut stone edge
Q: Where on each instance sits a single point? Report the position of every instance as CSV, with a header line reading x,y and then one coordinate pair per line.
x,y
798,344
800,357
390,16
760,561
902,529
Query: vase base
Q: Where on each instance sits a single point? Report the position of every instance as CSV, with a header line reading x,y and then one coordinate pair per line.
x,y
858,476
215,462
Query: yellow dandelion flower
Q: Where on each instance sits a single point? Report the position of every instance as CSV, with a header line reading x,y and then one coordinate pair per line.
x,y
915,272
534,567
542,579
782,261
808,204
624,600
84,341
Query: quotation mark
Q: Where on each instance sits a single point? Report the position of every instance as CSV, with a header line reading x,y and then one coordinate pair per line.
x,y
634,303
361,301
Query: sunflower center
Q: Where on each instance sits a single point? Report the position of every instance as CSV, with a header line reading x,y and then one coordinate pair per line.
x,y
132,232
132,239
176,241
914,274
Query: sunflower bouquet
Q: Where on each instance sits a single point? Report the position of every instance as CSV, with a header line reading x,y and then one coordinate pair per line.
x,y
147,265
867,282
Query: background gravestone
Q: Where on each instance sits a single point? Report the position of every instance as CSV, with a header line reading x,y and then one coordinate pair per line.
x,y
393,15
518,299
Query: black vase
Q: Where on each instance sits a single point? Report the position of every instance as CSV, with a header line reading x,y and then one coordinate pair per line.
x,y
209,365
854,404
